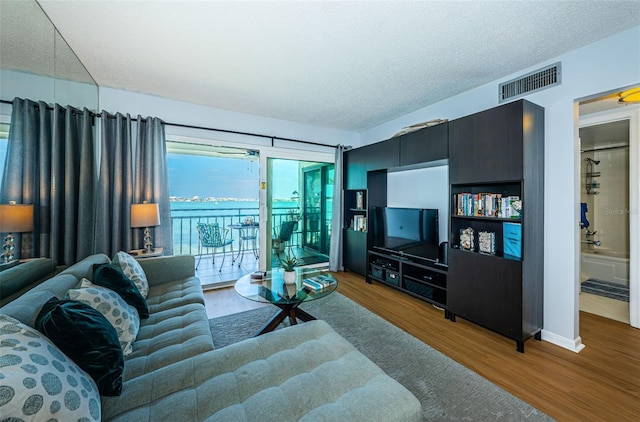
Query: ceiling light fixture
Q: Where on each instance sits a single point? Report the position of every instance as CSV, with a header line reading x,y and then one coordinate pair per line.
x,y
630,96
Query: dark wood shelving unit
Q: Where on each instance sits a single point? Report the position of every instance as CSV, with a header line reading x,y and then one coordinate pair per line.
x,y
496,151
499,151
354,240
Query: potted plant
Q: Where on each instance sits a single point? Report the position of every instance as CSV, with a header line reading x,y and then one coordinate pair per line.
x,y
289,264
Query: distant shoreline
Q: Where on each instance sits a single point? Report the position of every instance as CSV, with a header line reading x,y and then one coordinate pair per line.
x,y
212,199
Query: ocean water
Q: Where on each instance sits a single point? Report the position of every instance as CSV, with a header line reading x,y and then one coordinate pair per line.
x,y
186,215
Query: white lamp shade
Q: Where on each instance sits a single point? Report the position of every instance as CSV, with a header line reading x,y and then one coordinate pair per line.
x,y
145,215
16,218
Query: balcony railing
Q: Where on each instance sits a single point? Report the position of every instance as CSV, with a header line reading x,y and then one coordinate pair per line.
x,y
185,234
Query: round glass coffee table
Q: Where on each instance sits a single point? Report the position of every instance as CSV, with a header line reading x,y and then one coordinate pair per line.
x,y
287,297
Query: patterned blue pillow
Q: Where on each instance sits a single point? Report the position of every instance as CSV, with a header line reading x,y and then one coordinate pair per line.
x,y
119,313
39,382
132,269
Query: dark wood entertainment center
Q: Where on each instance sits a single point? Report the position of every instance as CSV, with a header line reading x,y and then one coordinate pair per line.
x,y
496,159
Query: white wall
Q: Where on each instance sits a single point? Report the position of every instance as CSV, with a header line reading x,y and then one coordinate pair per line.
x,y
43,88
433,192
173,111
604,66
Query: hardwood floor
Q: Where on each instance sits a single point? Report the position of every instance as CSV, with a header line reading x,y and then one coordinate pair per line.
x,y
601,383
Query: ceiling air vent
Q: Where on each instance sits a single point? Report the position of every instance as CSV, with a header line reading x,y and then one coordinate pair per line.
x,y
531,82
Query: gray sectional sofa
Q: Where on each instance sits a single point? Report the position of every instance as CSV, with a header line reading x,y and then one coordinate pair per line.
x,y
305,372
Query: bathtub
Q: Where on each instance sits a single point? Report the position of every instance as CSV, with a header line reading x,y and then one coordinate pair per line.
x,y
606,265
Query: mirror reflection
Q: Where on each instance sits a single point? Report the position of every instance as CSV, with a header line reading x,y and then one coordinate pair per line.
x,y
36,63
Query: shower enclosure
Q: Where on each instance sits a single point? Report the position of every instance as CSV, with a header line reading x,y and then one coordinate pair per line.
x,y
605,202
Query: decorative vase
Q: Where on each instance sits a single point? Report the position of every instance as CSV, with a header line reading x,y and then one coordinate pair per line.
x,y
290,290
290,277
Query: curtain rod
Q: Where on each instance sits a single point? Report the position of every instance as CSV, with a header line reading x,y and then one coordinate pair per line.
x,y
604,148
235,132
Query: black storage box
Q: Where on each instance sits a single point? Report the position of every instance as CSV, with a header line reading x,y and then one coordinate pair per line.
x,y
392,277
419,288
377,272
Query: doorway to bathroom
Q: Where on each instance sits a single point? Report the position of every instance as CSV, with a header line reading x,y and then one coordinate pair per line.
x,y
608,191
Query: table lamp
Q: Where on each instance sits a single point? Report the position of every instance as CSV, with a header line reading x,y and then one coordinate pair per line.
x,y
14,219
145,215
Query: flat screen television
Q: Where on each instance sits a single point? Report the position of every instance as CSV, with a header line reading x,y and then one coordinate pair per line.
x,y
411,232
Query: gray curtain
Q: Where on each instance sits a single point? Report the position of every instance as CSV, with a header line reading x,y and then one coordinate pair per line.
x,y
152,180
115,185
50,164
335,248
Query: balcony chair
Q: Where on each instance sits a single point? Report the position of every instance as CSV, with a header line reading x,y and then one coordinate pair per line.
x,y
285,234
211,237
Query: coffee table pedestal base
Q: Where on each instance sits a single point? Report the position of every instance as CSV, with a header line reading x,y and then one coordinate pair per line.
x,y
290,310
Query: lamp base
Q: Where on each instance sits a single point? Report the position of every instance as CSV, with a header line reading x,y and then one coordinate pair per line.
x,y
148,246
8,248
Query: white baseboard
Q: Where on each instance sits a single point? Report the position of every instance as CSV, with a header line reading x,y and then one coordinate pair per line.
x,y
574,345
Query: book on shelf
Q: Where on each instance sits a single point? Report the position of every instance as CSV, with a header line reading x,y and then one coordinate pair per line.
x,y
487,205
360,223
510,207
512,240
318,283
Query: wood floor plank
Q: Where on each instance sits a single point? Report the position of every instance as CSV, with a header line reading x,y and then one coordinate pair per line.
x,y
600,383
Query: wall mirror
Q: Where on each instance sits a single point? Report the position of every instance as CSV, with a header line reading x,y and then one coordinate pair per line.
x,y
37,63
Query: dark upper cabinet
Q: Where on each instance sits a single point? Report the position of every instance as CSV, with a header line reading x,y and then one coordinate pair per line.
x,y
358,161
428,144
488,146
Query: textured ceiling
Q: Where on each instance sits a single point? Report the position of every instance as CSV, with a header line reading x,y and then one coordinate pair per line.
x,y
345,65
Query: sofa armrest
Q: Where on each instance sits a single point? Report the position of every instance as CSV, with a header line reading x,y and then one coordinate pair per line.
x,y
164,269
20,278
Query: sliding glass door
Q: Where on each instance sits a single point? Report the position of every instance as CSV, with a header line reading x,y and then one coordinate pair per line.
x,y
298,208
285,194
318,197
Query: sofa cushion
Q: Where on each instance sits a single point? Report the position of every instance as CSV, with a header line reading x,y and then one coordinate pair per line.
x,y
84,268
112,277
120,314
163,269
175,293
88,338
132,269
169,336
38,382
305,372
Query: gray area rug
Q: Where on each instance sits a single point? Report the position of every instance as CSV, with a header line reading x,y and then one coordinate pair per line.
x,y
447,390
606,289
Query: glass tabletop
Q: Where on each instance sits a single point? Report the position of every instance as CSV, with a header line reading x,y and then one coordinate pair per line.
x,y
272,288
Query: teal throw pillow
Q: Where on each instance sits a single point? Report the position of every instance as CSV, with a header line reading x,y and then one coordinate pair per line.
x,y
112,277
88,338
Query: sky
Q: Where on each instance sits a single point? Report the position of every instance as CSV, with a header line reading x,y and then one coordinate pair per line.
x,y
193,175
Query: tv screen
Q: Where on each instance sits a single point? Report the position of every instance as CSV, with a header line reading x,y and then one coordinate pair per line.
x,y
411,231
